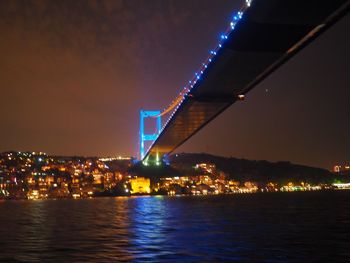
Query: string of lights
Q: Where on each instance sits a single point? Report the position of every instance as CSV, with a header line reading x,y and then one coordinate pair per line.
x,y
177,102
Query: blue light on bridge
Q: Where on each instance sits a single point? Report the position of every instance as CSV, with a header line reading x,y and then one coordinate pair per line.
x,y
191,83
148,137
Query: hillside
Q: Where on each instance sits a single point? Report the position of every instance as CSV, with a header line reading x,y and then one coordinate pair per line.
x,y
258,171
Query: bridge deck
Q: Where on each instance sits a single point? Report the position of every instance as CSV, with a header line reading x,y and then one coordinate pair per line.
x,y
270,32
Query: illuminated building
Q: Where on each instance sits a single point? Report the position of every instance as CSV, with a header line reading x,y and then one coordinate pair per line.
x,y
342,185
209,168
336,168
98,177
341,169
140,185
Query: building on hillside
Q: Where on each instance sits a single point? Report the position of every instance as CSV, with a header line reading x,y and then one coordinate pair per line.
x,y
140,185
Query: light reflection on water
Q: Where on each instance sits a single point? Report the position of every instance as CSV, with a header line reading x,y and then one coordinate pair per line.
x,y
278,227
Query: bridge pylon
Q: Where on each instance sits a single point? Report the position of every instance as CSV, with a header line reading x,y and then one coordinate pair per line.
x,y
148,137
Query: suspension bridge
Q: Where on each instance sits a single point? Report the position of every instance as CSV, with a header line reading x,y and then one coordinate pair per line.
x,y
262,36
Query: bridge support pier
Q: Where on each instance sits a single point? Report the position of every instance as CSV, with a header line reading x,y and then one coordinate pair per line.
x,y
148,137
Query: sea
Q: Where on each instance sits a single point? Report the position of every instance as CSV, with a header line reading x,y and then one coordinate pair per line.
x,y
260,227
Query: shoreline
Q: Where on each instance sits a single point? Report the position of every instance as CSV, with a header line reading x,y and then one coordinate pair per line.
x,y
174,195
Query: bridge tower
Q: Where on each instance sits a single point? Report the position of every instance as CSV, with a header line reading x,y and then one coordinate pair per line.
x,y
148,137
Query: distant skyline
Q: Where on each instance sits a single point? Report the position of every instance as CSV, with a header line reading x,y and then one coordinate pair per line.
x,y
74,75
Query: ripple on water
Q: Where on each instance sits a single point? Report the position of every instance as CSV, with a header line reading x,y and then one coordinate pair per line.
x,y
275,227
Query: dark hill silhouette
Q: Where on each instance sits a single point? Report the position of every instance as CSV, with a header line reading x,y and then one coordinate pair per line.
x,y
251,170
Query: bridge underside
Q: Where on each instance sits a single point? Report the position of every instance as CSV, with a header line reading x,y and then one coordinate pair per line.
x,y
270,32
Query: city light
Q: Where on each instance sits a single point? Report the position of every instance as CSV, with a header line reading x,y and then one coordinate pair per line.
x,y
89,177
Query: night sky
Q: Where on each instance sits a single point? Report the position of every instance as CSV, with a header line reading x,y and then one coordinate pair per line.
x,y
74,75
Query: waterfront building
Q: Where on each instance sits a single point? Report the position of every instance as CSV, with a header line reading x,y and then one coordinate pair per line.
x,y
140,185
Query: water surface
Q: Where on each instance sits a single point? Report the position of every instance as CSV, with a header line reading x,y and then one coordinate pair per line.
x,y
276,227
